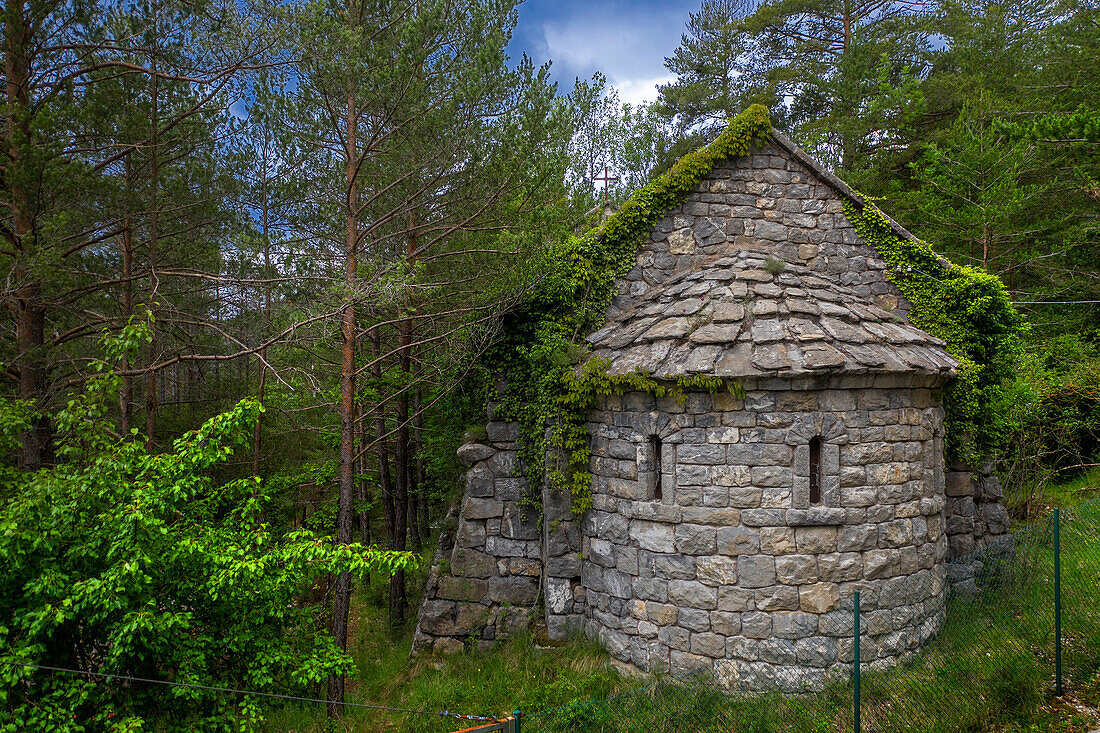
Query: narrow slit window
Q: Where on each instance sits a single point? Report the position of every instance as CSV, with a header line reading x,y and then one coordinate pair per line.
x,y
657,451
815,470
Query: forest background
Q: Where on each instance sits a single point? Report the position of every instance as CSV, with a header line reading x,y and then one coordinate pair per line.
x,y
257,257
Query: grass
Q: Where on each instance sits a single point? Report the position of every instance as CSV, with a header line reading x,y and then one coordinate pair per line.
x,y
989,669
1072,491
494,682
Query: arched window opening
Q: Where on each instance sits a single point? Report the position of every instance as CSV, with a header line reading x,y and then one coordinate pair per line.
x,y
656,452
815,470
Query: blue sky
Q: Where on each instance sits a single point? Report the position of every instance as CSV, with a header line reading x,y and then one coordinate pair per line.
x,y
627,41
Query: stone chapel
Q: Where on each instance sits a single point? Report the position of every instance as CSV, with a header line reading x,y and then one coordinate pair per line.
x,y
727,534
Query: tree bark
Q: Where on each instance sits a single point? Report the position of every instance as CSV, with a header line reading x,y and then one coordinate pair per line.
x,y
30,310
154,234
257,435
385,482
416,498
422,498
126,390
342,593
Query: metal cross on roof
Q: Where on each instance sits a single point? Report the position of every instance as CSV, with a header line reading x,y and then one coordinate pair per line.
x,y
606,179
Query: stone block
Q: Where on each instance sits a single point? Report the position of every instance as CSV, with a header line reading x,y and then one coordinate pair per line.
x,y
796,569
763,517
960,545
708,644
471,453
705,454
519,524
504,464
662,614
756,571
759,454
794,625
959,525
725,623
437,617
776,598
735,476
719,516
692,594
716,570
816,540
857,538
756,625
471,533
564,566
501,547
559,596
681,663
882,564
995,517
840,567
462,589
732,598
617,584
626,560
958,483
653,536
675,567
692,475
771,476
675,637
650,589
475,508
693,619
738,541
897,533
471,563
503,432
819,597
693,539
479,481
522,566
716,497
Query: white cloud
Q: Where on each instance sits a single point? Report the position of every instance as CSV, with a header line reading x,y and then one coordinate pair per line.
x,y
628,48
636,91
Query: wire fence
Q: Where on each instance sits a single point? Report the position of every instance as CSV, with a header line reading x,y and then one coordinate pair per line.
x,y
1021,623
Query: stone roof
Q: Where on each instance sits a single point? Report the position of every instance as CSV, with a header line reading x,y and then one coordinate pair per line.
x,y
738,319
736,296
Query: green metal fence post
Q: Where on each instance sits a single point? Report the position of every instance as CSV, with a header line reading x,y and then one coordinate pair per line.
x,y
517,716
1057,603
855,668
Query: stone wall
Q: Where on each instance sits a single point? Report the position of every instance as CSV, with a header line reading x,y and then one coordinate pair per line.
x,y
976,515
486,576
770,205
732,570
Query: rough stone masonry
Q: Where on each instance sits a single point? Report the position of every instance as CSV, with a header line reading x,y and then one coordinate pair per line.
x,y
729,534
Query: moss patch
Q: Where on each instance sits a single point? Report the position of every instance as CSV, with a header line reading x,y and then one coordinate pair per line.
x,y
971,311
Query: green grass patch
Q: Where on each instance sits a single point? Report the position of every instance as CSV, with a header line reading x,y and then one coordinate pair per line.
x,y
492,682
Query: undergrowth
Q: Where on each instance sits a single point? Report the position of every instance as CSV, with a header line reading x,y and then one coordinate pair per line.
x,y
989,669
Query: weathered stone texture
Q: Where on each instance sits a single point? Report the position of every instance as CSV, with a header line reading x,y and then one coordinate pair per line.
x,y
487,572
765,570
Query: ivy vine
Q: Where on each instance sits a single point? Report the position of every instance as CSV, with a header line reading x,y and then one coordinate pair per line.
x,y
971,311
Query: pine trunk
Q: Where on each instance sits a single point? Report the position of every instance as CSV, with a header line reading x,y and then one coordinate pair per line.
x,y
342,593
